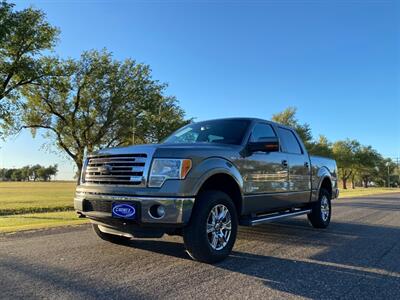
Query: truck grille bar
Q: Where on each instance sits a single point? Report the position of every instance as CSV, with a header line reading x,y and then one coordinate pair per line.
x,y
123,169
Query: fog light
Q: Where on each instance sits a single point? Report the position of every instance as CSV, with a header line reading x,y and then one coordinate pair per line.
x,y
161,211
157,211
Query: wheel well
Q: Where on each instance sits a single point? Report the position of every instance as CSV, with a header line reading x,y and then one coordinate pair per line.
x,y
225,183
327,185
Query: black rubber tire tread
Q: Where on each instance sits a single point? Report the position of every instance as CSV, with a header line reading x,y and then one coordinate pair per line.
x,y
194,234
116,239
315,217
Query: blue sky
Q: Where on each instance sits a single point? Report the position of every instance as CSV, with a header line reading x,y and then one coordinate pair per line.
x,y
338,62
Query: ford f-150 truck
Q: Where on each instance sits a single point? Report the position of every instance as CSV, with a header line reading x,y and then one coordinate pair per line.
x,y
202,182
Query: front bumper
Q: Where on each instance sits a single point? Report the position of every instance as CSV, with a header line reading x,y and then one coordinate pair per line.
x,y
98,207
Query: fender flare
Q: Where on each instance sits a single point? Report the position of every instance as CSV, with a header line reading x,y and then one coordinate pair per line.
x,y
214,166
323,173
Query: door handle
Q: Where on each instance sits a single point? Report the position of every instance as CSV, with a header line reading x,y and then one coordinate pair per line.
x,y
306,164
284,163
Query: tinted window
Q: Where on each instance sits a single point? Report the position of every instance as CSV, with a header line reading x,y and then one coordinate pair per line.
x,y
290,143
262,131
217,131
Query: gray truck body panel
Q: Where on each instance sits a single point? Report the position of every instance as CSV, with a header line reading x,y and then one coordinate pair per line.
x,y
265,184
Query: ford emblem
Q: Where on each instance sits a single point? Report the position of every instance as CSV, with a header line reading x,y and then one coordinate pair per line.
x,y
105,169
123,211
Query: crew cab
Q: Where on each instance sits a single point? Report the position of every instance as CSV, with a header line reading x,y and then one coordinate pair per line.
x,y
202,182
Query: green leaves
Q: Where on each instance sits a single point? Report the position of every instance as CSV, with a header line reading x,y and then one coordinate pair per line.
x,y
288,117
24,36
97,101
354,161
27,173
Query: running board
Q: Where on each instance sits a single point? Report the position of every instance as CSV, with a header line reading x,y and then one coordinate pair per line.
x,y
273,217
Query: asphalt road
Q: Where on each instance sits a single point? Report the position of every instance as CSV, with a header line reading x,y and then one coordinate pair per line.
x,y
358,256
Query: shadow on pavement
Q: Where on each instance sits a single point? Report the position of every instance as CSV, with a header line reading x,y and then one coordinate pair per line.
x,y
347,260
345,265
351,244
309,279
54,280
353,256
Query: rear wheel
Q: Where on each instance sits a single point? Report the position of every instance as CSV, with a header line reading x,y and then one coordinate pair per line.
x,y
211,232
320,215
113,238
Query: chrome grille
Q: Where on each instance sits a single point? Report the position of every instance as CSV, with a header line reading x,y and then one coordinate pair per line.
x,y
125,169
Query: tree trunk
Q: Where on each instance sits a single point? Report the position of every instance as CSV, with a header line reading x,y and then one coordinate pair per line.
x,y
78,172
346,175
344,180
365,183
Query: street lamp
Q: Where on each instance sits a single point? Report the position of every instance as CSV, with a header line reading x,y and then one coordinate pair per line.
x,y
135,117
388,178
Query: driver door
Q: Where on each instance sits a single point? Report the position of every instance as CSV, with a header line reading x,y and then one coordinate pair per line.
x,y
265,174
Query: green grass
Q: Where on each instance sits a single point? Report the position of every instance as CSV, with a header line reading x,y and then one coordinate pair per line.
x,y
15,223
31,197
34,205
349,193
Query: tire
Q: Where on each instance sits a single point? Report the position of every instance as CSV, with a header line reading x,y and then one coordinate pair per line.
x,y
217,244
113,238
321,210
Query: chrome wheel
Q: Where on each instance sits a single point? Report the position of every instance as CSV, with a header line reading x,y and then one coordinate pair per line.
x,y
219,227
325,209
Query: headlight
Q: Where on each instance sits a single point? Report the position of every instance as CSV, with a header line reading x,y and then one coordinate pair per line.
x,y
164,168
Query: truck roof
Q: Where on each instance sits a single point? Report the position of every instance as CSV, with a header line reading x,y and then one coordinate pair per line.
x,y
244,118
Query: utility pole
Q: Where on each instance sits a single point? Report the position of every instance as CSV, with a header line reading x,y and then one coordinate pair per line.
x,y
398,167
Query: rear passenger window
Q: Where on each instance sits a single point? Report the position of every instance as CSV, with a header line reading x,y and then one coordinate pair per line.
x,y
262,131
290,143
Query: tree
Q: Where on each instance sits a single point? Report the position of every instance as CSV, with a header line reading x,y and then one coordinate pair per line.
x,y
288,118
8,174
48,172
321,147
24,35
368,164
344,153
97,102
157,125
16,175
34,172
25,173
385,168
3,174
394,172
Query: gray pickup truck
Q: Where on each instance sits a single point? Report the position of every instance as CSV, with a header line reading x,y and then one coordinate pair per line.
x,y
202,182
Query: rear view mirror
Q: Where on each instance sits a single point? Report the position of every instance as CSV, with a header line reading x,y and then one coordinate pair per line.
x,y
270,144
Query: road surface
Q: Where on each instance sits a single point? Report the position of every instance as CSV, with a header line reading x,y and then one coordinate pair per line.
x,y
358,256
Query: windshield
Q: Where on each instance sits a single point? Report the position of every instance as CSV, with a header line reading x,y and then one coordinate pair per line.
x,y
218,131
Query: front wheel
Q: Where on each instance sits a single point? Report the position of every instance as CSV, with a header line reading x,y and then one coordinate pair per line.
x,y
320,215
211,232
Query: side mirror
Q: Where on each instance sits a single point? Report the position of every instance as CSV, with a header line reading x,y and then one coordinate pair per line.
x,y
270,144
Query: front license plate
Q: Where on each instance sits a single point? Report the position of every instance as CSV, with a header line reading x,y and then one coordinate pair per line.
x,y
123,210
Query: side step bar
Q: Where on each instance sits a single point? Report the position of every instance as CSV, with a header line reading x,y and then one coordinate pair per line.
x,y
273,217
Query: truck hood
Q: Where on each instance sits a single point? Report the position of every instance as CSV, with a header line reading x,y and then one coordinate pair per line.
x,y
171,150
149,149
